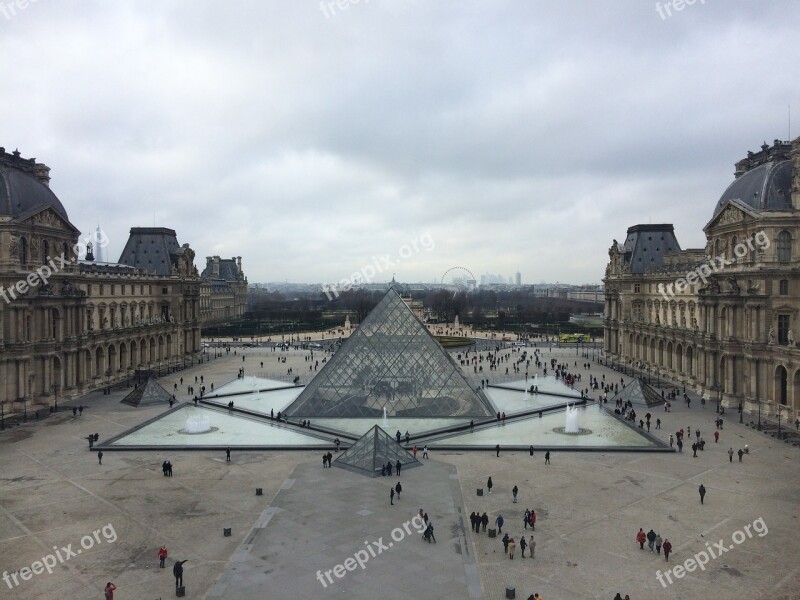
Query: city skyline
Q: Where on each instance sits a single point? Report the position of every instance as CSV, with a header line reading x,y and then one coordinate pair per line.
x,y
316,142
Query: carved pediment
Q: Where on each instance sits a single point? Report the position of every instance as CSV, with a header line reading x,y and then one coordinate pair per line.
x,y
734,213
47,217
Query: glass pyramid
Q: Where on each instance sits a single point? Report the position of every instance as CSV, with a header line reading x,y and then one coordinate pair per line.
x,y
147,394
639,393
391,363
373,450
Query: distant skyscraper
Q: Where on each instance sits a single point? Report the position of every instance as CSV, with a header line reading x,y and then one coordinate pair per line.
x,y
100,241
518,278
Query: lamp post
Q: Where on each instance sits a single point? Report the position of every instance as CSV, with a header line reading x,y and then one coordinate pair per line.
x,y
25,408
759,414
740,413
780,408
716,388
55,387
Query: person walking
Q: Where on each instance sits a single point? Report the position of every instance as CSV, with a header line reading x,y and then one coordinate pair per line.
x,y
100,457
671,440
667,549
694,450
526,518
659,543
499,522
497,450
398,488
532,519
741,453
162,556
489,485
228,454
702,491
425,451
391,496
522,545
730,454
641,537
651,539
109,591
547,457
716,437
532,547
177,570
514,492
429,533
512,547
530,450
397,468
506,539
484,521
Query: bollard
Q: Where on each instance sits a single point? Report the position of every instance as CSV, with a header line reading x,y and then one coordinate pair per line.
x,y
226,532
493,533
180,592
259,492
480,491
511,593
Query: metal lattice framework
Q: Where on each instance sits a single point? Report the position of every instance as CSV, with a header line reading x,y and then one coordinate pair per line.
x,y
373,450
391,365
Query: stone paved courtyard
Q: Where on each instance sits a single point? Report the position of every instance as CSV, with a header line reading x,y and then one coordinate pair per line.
x,y
53,492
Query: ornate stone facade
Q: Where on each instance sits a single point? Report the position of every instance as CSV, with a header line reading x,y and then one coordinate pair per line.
x,y
721,319
223,293
68,325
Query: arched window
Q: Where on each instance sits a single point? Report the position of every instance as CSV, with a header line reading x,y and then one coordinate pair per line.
x,y
23,250
784,246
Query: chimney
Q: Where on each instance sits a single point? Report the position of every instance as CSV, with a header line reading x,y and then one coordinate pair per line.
x,y
42,173
239,264
215,267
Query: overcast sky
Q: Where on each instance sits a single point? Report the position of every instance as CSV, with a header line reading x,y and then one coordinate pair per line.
x,y
312,139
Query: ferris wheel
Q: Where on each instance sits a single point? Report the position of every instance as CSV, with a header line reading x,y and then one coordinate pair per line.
x,y
461,277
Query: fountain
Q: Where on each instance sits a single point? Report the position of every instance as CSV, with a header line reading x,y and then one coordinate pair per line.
x,y
572,425
385,418
197,424
572,420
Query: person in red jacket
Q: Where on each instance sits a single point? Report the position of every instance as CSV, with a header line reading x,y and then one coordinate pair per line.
x,y
162,556
716,436
641,537
532,519
110,587
667,549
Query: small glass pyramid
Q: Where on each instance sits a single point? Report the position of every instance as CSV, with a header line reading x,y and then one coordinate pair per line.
x,y
372,451
639,393
147,394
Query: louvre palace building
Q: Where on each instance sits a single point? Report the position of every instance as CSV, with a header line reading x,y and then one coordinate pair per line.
x,y
70,324
720,320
